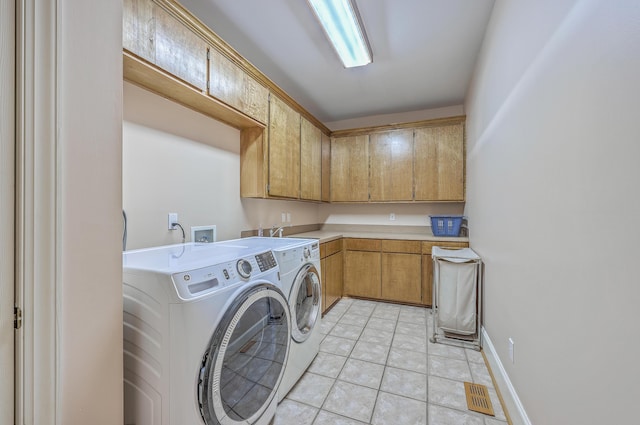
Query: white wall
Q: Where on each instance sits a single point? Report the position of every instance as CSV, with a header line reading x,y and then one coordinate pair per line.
x,y
379,214
88,213
177,160
552,197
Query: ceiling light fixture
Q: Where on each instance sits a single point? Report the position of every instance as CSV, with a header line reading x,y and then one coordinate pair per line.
x,y
341,23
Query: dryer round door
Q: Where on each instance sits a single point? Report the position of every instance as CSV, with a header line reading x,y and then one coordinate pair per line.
x,y
243,365
305,302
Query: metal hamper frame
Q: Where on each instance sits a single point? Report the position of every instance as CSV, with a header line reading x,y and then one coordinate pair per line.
x,y
462,256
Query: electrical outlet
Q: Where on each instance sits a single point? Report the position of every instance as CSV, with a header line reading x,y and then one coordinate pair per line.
x,y
511,348
283,218
392,217
173,218
288,217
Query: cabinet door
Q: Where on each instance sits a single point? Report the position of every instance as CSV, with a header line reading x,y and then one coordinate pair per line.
x,y
139,28
427,280
310,161
326,168
230,84
334,272
284,150
439,163
350,169
401,277
323,282
391,166
362,274
180,51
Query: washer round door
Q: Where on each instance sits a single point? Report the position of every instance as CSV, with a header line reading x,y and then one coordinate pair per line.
x,y
243,366
305,302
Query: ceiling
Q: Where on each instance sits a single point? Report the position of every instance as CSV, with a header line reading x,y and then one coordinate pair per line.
x,y
424,52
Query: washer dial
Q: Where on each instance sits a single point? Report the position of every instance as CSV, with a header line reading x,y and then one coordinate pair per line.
x,y
244,268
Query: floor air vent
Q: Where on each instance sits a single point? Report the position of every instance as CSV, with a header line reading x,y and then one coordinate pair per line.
x,y
478,398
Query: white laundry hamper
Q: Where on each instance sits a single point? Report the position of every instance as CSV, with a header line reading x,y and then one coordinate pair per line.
x,y
457,297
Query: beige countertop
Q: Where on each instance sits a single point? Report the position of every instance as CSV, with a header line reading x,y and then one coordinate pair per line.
x,y
413,233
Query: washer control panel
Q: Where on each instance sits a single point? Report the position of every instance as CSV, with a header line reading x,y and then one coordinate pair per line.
x,y
196,283
266,261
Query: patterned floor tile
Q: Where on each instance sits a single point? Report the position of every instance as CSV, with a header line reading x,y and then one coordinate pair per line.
x,y
353,401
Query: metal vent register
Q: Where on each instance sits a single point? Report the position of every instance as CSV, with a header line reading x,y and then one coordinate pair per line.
x,y
478,398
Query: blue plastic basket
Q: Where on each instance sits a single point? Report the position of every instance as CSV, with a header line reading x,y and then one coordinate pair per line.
x,y
446,225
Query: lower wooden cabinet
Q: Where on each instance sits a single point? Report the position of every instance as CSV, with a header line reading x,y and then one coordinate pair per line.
x,y
427,267
362,274
401,280
332,263
334,277
390,269
383,269
387,269
401,271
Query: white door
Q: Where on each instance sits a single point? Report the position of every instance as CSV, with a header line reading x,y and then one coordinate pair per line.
x,y
7,208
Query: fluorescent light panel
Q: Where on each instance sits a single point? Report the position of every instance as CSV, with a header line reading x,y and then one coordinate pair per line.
x,y
341,23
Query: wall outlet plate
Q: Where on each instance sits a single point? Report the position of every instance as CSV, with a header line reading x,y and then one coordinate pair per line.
x,y
172,218
392,217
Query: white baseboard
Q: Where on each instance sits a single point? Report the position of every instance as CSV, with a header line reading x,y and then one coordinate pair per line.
x,y
510,397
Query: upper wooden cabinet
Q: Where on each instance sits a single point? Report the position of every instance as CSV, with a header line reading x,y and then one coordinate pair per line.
x,y
139,28
289,160
155,35
412,162
326,168
235,87
165,52
180,51
350,169
284,150
391,166
310,161
170,52
439,163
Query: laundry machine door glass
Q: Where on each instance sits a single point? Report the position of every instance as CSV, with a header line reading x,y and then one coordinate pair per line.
x,y
243,365
305,302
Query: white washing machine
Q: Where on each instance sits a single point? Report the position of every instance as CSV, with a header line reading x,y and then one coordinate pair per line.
x,y
299,262
206,335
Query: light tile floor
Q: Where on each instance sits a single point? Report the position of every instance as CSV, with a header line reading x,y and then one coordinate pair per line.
x,y
377,366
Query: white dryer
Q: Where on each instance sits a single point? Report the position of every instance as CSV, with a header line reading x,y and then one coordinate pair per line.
x,y
299,262
206,335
